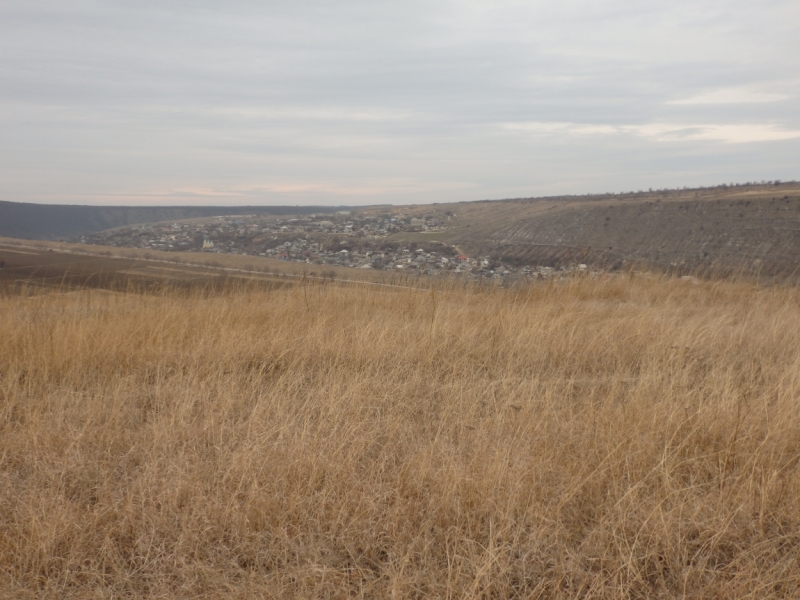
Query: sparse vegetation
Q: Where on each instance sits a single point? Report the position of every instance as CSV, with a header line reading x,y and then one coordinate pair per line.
x,y
619,438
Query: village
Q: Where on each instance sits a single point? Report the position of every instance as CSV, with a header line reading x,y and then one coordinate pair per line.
x,y
359,241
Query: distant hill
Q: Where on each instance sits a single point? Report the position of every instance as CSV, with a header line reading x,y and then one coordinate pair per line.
x,y
750,227
723,229
51,221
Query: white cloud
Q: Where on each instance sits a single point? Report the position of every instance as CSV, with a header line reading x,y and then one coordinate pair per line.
x,y
295,113
560,128
730,133
731,96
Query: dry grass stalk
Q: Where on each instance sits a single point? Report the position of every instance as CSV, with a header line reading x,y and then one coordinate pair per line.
x,y
618,439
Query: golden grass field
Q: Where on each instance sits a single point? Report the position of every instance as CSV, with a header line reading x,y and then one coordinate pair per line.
x,y
626,438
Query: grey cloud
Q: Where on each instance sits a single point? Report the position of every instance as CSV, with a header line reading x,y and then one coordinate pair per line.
x,y
385,101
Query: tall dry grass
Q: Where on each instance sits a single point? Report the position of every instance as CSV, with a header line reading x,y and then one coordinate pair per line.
x,y
622,439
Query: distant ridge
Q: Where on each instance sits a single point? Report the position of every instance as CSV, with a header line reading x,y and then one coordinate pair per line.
x,y
54,221
728,228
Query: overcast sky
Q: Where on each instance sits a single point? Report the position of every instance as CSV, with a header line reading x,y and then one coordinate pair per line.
x,y
370,101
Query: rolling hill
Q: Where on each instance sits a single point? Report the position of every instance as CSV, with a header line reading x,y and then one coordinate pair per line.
x,y
753,228
740,227
48,221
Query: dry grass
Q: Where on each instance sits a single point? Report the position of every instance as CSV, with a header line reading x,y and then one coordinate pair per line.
x,y
618,439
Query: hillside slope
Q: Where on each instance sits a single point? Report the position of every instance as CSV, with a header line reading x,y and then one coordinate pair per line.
x,y
754,227
750,227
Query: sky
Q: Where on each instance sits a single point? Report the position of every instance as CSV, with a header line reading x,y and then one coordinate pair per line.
x,y
355,102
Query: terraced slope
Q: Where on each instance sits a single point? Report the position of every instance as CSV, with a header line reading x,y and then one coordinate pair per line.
x,y
752,228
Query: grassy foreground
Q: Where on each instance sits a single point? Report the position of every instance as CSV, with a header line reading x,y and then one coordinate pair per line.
x,y
627,438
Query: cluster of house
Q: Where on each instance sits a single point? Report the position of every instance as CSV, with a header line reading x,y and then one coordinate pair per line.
x,y
344,239
248,233
406,259
384,257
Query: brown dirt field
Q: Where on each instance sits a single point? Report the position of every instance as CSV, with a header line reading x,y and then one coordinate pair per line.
x,y
55,265
50,269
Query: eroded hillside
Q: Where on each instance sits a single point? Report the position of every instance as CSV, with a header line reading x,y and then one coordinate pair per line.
x,y
754,228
